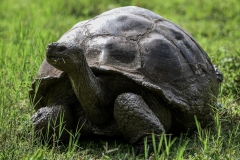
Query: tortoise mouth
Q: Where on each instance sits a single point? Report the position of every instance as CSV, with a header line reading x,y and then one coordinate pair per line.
x,y
57,58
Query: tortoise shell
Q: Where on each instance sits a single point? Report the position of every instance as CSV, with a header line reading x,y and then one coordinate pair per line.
x,y
142,46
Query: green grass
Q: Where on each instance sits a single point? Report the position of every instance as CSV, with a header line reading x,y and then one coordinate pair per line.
x,y
26,27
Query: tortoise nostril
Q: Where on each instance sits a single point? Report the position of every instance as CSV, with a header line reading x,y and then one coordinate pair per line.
x,y
52,44
61,48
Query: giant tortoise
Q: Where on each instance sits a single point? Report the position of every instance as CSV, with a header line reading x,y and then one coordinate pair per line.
x,y
125,73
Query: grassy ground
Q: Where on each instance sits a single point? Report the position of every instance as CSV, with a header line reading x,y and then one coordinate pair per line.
x,y
27,26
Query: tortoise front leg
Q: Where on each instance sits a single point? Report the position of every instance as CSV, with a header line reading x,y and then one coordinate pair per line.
x,y
135,119
54,120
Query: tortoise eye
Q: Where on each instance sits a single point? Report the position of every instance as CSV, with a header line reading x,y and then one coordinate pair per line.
x,y
61,48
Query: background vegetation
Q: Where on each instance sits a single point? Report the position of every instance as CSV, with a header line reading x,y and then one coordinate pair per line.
x,y
27,26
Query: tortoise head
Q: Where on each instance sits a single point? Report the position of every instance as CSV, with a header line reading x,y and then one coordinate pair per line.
x,y
63,56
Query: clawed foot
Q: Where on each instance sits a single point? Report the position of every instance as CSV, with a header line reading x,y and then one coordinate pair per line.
x,y
48,120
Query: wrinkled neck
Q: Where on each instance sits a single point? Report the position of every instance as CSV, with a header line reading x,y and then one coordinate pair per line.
x,y
90,92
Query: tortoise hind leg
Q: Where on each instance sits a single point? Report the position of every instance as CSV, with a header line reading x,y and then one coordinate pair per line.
x,y
135,119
